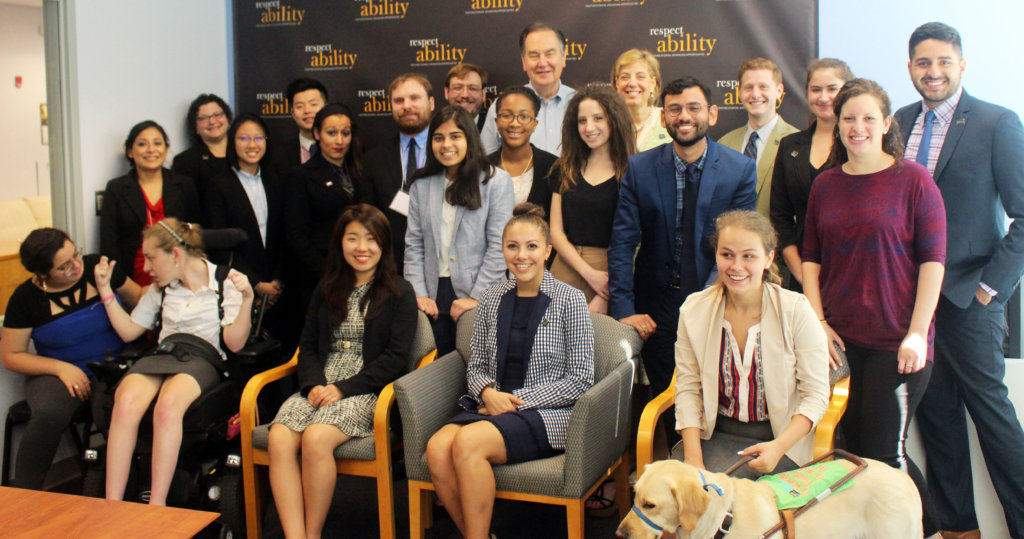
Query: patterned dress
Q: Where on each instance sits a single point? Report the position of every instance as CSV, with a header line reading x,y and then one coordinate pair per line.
x,y
352,415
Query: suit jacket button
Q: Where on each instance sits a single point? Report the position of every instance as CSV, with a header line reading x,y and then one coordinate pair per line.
x,y
453,259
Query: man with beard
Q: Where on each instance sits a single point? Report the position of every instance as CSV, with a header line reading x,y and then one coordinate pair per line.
x,y
390,166
464,87
974,151
668,202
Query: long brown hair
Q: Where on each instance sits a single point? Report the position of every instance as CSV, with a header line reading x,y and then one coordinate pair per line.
x,y
339,280
575,152
892,141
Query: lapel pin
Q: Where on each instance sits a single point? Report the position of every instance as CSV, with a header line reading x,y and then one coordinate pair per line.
x,y
794,153
961,121
328,184
544,322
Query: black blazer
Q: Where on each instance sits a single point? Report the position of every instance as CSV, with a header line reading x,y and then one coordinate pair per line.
x,y
387,343
313,202
285,156
383,179
199,164
540,191
227,206
980,173
123,213
791,187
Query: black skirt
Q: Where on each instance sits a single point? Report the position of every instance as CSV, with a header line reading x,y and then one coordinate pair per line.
x,y
523,432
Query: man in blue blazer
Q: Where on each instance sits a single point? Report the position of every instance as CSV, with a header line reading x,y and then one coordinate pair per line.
x,y
975,152
668,202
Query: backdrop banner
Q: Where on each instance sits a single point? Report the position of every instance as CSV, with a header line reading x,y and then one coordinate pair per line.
x,y
356,47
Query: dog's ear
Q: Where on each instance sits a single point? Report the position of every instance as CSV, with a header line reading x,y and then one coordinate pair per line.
x,y
691,501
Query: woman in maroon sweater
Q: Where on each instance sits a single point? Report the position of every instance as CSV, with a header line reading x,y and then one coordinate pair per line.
x,y
873,259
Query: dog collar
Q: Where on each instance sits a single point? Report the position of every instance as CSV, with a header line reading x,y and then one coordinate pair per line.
x,y
650,523
726,525
707,485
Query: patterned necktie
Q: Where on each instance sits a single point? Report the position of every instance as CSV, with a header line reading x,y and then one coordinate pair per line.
x,y
926,139
751,149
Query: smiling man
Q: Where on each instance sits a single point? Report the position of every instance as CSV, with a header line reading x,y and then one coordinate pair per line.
x,y
464,87
760,91
305,98
974,151
666,200
542,51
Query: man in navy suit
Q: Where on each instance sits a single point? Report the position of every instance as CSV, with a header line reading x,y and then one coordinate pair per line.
x,y
668,202
975,152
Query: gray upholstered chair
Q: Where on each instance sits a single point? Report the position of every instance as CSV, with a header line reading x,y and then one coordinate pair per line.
x,y
596,442
366,457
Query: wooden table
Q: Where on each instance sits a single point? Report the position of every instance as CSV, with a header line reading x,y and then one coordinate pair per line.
x,y
30,513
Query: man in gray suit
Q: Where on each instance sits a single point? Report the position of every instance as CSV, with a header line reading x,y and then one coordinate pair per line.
x,y
975,152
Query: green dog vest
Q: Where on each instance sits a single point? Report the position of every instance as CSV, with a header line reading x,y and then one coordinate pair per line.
x,y
798,487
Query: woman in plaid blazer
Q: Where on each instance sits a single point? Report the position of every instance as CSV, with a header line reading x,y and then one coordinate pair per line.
x,y
533,356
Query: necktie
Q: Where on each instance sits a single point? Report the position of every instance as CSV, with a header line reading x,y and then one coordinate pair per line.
x,y
410,164
926,139
751,149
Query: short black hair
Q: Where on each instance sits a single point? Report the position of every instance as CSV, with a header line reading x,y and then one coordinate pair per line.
x,y
137,130
519,90
39,248
540,26
935,30
232,153
193,113
678,86
303,84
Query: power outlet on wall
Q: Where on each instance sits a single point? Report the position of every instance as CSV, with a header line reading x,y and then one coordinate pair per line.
x,y
99,202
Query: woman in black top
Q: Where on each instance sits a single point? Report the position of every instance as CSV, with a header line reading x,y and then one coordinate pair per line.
x,y
528,165
317,192
60,311
597,140
801,158
207,123
147,194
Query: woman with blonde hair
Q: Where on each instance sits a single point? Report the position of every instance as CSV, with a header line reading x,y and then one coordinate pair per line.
x,y
636,76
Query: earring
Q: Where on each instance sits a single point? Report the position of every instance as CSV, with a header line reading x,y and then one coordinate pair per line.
x,y
43,280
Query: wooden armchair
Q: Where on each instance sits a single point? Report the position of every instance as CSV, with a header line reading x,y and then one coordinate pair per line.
x,y
824,434
596,441
365,457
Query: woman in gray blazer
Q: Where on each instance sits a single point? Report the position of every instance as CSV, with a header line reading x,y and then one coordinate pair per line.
x,y
458,204
533,356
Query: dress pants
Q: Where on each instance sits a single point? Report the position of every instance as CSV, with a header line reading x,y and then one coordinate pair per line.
x,y
659,352
969,370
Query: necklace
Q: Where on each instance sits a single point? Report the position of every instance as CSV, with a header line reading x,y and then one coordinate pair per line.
x,y
527,167
646,121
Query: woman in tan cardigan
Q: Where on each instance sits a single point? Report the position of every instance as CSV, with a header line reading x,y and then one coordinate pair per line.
x,y
751,366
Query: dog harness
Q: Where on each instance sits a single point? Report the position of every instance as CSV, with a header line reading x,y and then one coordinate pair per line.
x,y
726,525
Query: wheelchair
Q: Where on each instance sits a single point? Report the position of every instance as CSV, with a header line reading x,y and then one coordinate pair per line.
x,y
208,473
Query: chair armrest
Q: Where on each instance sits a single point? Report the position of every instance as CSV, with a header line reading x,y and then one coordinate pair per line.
x,y
248,413
427,397
825,433
599,430
382,411
649,424
427,359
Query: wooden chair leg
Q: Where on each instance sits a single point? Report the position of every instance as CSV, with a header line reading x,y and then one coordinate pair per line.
x,y
420,511
386,501
576,518
253,498
622,493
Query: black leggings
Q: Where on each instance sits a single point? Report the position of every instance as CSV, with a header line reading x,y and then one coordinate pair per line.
x,y
882,403
52,410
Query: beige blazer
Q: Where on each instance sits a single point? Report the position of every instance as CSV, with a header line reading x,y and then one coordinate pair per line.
x,y
793,354
734,139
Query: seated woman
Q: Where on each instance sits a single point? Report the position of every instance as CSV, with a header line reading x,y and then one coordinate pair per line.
x,y
59,309
147,194
520,395
184,297
751,367
356,341
528,165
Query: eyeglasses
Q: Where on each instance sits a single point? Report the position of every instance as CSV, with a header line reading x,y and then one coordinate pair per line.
x,y
672,111
208,117
75,260
523,118
247,140
459,88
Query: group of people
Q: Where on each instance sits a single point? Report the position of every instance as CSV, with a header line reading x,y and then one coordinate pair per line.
x,y
553,202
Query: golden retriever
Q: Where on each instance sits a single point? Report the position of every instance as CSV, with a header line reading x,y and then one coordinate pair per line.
x,y
882,503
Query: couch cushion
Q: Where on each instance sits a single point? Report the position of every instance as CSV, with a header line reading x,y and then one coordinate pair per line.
x,y
16,220
356,448
41,210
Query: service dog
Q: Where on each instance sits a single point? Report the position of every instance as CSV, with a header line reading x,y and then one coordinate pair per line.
x,y
673,496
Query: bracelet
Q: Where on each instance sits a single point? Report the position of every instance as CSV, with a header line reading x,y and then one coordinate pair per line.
x,y
106,299
823,321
